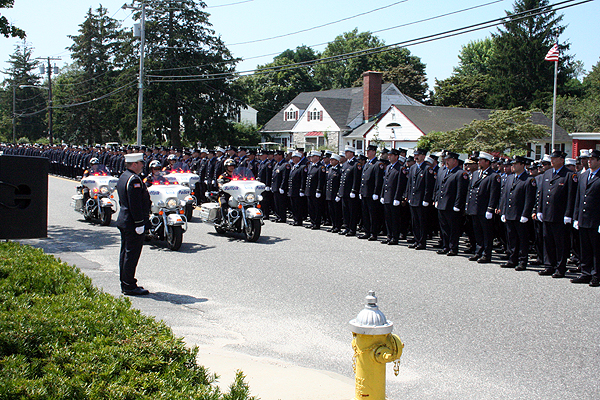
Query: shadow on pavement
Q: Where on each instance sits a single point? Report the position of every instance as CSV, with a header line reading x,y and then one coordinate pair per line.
x,y
80,239
239,237
185,247
176,298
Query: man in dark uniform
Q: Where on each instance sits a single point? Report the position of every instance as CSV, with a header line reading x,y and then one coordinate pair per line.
x,y
349,186
265,175
586,219
538,226
279,184
295,192
392,190
555,210
449,200
314,188
516,205
482,202
370,189
332,186
134,202
419,193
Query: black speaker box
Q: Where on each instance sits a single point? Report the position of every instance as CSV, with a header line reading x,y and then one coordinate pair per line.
x,y
23,197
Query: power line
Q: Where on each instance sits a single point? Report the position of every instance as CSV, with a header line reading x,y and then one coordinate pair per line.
x,y
376,50
230,4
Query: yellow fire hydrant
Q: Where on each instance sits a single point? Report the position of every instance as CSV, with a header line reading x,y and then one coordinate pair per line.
x,y
374,346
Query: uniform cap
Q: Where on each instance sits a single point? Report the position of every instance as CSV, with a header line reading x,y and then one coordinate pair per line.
x,y
315,153
570,161
420,151
584,153
546,158
451,154
350,148
336,157
402,159
595,153
134,157
372,147
297,154
429,160
558,154
485,156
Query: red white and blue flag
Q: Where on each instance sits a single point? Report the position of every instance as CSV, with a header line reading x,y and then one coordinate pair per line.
x,y
552,53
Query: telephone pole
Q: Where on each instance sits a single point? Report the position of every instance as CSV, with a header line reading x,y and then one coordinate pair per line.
x,y
50,70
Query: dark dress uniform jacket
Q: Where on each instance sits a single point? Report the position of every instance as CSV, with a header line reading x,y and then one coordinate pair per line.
x,y
332,185
484,192
372,178
265,172
281,173
315,179
394,183
134,201
587,204
452,188
518,197
296,180
557,195
420,185
350,180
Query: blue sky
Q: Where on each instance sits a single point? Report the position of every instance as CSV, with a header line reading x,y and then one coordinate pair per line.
x,y
48,23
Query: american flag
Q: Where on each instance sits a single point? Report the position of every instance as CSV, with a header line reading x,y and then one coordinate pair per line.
x,y
552,53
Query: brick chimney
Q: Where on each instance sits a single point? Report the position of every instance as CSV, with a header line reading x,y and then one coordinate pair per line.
x,y
371,94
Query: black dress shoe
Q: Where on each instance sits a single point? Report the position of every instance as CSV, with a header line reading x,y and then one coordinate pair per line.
x,y
503,257
576,270
351,233
344,232
138,291
372,238
558,274
451,253
402,237
442,251
335,230
582,279
595,282
330,230
536,262
385,241
474,258
420,248
309,226
521,267
412,246
392,243
546,272
484,260
364,236
508,265
316,228
280,221
470,251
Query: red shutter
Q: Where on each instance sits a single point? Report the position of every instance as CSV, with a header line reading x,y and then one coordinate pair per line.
x,y
307,115
320,115
295,114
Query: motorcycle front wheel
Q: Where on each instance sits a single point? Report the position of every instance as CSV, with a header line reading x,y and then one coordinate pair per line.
x,y
105,216
252,230
189,212
174,237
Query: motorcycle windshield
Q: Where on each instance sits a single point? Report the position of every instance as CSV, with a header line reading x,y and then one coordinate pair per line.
x,y
242,174
160,179
180,167
98,170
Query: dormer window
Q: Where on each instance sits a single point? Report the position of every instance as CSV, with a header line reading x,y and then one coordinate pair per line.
x,y
290,115
315,115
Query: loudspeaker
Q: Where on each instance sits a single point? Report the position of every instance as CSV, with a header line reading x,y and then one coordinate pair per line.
x,y
23,197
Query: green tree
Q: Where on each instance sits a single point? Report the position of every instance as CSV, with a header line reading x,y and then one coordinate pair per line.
x,y
462,91
30,101
6,28
519,74
269,91
180,42
504,130
474,58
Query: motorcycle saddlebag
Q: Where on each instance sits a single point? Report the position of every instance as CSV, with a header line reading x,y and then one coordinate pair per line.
x,y
209,212
77,202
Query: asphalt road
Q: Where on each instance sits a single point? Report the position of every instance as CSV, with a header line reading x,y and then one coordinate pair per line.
x,y
470,331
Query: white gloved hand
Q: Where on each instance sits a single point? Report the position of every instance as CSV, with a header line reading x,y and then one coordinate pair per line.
x,y
436,204
352,195
567,220
425,204
456,209
139,230
539,217
396,203
488,215
268,188
281,190
576,224
503,218
375,197
318,195
382,201
523,220
599,229
301,194
337,199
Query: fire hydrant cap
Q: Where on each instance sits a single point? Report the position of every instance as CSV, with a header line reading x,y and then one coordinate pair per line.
x,y
371,321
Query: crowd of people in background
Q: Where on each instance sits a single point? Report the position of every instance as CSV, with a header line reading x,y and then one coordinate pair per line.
x,y
544,213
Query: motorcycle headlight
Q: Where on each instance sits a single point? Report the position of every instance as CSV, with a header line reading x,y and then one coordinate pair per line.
x,y
172,203
104,190
250,198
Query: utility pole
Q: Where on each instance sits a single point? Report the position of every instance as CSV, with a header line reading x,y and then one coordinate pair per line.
x,y
14,128
141,73
50,93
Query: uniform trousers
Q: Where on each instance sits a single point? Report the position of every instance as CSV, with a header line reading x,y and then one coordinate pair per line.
x,y
450,229
419,225
335,213
484,235
392,221
266,203
556,245
296,204
590,251
371,214
131,249
539,241
518,242
280,205
314,210
351,212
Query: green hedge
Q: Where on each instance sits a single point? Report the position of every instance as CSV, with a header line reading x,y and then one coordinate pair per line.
x,y
61,338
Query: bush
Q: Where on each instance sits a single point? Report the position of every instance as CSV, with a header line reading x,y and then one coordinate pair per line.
x,y
62,338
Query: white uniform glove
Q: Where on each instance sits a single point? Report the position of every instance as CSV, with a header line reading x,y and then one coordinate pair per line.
x,y
503,218
436,204
301,194
488,215
425,204
539,217
576,225
139,230
599,229
396,203
456,209
281,190
523,220
318,195
352,195
337,199
382,201
268,188
567,220
375,197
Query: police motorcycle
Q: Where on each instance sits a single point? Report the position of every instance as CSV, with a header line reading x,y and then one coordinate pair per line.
x,y
182,174
243,213
95,195
167,219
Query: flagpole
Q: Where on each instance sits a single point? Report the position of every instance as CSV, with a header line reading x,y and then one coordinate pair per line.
x,y
554,104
